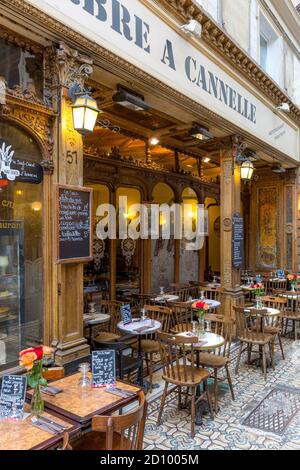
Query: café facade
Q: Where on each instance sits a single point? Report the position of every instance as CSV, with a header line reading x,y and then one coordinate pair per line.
x,y
179,116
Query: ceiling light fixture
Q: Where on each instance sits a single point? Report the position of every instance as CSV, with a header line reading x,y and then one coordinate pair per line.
x,y
130,100
206,160
278,168
154,141
201,133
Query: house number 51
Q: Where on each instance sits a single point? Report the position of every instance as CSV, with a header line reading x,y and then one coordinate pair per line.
x,y
72,157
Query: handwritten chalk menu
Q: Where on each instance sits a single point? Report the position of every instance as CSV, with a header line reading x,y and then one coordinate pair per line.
x,y
237,241
126,314
103,368
5,408
13,389
74,225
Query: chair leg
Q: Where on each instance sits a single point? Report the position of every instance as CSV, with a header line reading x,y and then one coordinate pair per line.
x,y
229,381
162,403
193,412
179,399
249,353
239,359
272,352
281,346
209,400
264,361
216,389
151,372
296,330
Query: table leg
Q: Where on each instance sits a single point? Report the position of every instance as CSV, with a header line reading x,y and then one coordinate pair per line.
x,y
140,356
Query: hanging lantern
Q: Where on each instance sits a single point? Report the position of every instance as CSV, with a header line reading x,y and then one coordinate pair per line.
x,y
85,114
247,170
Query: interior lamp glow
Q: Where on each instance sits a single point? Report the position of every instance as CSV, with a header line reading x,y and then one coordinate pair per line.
x,y
247,170
85,114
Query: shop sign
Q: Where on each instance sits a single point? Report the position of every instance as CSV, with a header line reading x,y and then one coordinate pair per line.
x,y
17,169
132,31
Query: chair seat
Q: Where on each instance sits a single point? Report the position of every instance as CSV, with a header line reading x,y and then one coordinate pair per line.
x,y
97,441
272,330
147,346
106,336
130,363
291,315
258,338
213,361
179,376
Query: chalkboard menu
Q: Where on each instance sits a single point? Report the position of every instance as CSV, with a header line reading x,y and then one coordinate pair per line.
x,y
238,241
13,389
103,368
74,224
5,408
126,314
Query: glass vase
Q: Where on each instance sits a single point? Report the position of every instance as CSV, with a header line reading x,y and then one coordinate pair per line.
x,y
293,287
37,403
201,327
259,303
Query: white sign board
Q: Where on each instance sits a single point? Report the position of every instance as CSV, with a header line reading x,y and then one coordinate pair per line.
x,y
130,30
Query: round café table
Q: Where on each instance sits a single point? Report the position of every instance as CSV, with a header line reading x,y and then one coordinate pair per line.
x,y
213,304
140,328
94,319
162,299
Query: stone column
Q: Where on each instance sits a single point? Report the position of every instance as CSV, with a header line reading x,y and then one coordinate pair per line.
x,y
230,204
71,67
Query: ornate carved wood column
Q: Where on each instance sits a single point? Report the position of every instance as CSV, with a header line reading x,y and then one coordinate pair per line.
x,y
230,205
71,67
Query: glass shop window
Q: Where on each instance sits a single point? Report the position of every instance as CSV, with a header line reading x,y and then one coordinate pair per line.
x,y
21,69
21,260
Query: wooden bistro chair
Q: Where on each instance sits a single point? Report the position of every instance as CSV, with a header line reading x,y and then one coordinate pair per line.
x,y
182,317
292,315
123,432
179,369
220,358
250,332
274,325
111,308
150,345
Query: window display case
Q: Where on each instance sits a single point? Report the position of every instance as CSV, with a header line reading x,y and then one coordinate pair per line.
x,y
11,279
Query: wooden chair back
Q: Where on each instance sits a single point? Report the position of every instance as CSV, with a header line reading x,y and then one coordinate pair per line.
x,y
139,300
129,428
160,314
54,373
277,303
222,327
181,318
178,358
249,323
212,293
112,308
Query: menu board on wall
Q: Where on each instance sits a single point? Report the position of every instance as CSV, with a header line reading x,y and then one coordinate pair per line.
x,y
74,224
237,241
14,389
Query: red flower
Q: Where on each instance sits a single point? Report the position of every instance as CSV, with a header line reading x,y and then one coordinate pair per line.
x,y
39,352
200,305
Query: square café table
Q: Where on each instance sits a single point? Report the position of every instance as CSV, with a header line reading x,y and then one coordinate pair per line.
x,y
22,435
82,404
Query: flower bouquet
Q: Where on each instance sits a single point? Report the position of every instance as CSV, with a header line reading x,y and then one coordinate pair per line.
x,y
32,360
259,291
293,280
201,308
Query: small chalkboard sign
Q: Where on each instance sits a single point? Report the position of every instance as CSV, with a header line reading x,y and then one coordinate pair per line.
x,y
74,224
103,368
5,408
126,314
13,389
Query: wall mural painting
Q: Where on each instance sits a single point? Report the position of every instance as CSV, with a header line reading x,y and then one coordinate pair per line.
x,y
267,249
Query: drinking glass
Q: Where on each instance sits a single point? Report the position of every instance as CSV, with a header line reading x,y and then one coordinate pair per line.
x,y
84,380
162,291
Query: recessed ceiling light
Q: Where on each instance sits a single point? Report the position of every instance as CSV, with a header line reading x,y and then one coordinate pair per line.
x,y
206,160
154,141
201,133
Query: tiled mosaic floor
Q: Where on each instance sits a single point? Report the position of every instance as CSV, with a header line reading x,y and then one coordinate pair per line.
x,y
226,431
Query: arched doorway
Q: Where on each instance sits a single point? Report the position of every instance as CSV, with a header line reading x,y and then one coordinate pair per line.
x,y
21,243
189,259
163,251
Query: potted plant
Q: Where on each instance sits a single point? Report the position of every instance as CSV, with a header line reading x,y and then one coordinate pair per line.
x,y
293,280
32,360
